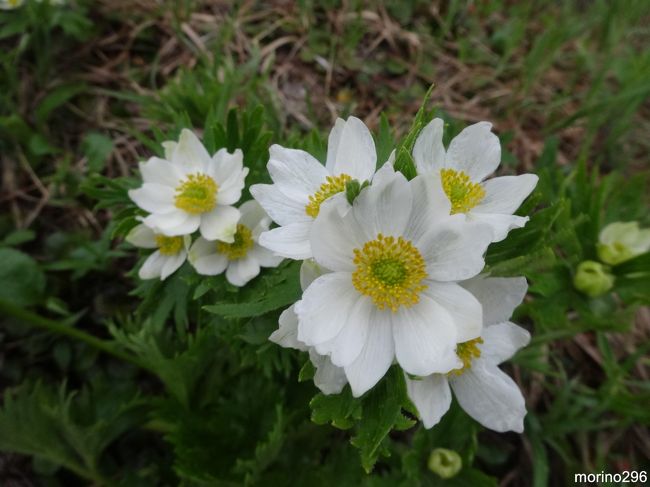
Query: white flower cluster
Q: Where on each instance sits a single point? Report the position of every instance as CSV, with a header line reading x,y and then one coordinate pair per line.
x,y
190,191
395,276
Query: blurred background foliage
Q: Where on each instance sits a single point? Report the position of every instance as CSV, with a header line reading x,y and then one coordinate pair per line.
x,y
107,381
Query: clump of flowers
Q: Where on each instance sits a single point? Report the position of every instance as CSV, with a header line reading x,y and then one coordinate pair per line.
x,y
394,272
190,191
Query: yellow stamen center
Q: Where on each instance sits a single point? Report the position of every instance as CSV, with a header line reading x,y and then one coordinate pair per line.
x,y
240,247
331,186
197,194
463,193
390,270
467,351
169,245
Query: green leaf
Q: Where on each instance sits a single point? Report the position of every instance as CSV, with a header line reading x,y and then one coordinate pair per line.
x,y
96,147
338,409
382,408
23,281
56,98
262,297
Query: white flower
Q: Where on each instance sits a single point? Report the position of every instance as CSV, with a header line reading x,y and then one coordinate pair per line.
x,y
329,378
243,257
170,254
10,4
189,190
394,257
301,184
622,241
483,390
472,155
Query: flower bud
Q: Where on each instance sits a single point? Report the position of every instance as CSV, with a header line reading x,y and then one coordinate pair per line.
x,y
446,463
593,279
621,241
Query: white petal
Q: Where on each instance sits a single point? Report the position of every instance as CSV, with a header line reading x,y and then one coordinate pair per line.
x,y
287,334
346,346
431,396
425,338
500,224
428,151
309,272
384,207
295,172
506,193
280,207
160,171
375,358
476,151
329,378
142,236
430,205
334,238
220,224
333,142
291,241
241,271
489,396
501,341
252,214
325,307
173,224
190,153
264,257
499,296
229,174
172,263
454,249
170,147
205,259
152,266
461,305
355,151
154,198
224,165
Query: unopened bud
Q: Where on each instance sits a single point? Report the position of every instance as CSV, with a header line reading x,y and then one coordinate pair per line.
x,y
593,279
446,463
621,241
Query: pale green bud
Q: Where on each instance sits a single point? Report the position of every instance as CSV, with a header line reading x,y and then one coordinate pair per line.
x,y
593,279
446,463
621,241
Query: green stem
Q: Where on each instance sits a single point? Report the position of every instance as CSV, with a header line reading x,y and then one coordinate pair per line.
x,y
33,319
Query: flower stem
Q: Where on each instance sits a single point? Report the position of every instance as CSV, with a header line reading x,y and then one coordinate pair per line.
x,y
38,321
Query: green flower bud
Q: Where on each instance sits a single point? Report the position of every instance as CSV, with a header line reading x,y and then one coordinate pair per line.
x,y
593,279
621,241
446,463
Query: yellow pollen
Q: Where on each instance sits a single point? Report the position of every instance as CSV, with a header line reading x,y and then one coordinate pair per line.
x,y
390,270
169,245
467,351
331,186
240,247
463,193
197,194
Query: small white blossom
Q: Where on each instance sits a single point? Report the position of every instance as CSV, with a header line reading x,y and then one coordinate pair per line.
x,y
242,258
473,155
170,252
301,184
189,190
483,390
